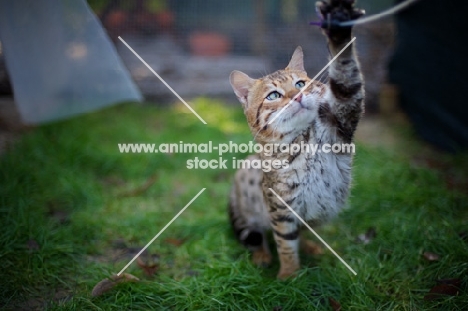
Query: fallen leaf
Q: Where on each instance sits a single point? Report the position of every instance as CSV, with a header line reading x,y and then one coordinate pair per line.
x,y
33,245
366,238
107,284
336,306
112,181
441,289
149,264
446,287
132,251
142,189
453,281
431,256
174,241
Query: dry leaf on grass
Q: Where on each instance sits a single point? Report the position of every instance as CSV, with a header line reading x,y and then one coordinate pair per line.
x,y
366,238
142,189
431,256
446,287
149,264
453,281
107,284
336,306
112,181
174,241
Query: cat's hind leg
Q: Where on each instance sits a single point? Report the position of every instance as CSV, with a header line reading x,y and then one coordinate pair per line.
x,y
248,215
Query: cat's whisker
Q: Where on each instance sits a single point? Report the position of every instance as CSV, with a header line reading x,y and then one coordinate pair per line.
x,y
322,76
263,71
255,136
261,129
273,131
278,122
324,79
324,73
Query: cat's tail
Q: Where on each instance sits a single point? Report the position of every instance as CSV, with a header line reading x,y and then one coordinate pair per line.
x,y
248,232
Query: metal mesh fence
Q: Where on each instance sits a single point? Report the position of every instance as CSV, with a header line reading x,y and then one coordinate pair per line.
x,y
195,44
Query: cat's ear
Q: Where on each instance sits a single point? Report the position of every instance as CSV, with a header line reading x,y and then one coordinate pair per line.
x,y
297,60
241,83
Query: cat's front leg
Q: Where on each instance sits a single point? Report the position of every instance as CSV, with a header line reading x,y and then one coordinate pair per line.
x,y
286,235
345,80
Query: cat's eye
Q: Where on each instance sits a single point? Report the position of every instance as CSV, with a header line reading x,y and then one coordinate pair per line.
x,y
300,84
273,95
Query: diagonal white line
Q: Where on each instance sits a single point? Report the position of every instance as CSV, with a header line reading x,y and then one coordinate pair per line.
x,y
162,80
371,18
311,81
160,232
315,233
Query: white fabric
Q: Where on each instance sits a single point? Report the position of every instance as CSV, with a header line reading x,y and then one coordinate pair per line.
x,y
60,60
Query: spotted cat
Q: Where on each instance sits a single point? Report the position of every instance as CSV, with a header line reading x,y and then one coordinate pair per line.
x,y
315,186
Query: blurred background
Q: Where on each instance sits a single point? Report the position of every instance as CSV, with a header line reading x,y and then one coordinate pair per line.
x,y
194,45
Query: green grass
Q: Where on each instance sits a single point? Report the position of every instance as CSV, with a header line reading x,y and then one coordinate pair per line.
x,y
74,168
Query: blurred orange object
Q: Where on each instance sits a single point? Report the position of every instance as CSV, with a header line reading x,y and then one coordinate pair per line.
x,y
116,19
165,19
209,44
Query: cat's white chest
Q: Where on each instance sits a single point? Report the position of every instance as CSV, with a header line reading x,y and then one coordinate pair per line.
x,y
325,179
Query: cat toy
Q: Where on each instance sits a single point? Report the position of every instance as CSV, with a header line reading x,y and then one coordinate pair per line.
x,y
327,23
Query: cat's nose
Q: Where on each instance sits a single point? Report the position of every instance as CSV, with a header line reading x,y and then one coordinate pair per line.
x,y
298,97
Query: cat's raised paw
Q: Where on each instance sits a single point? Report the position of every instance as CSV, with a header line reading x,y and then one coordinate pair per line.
x,y
338,10
335,12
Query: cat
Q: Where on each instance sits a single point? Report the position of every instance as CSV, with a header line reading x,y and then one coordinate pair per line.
x,y
315,186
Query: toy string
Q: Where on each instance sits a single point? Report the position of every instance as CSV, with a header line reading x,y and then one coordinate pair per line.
x,y
390,11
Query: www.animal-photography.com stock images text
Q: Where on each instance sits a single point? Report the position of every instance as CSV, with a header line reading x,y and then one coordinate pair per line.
x,y
278,155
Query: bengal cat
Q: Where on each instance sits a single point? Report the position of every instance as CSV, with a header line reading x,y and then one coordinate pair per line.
x,y
315,186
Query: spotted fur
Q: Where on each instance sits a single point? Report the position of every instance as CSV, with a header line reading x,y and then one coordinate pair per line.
x,y
317,185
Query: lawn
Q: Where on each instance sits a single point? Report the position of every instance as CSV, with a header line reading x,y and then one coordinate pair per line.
x,y
74,211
